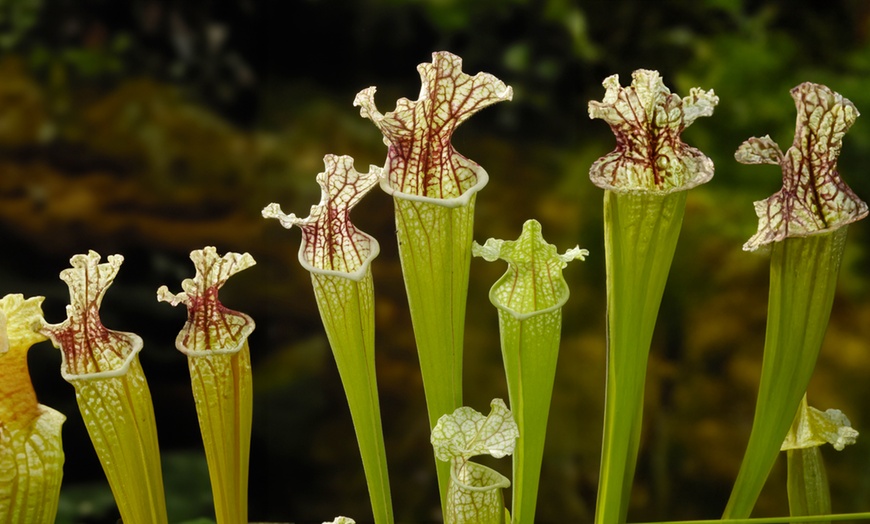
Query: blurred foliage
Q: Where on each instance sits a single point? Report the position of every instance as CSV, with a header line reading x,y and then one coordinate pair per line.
x,y
17,17
154,127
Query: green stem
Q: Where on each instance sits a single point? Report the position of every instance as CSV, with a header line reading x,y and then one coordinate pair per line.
x,y
434,239
803,276
641,231
530,349
119,416
222,390
347,309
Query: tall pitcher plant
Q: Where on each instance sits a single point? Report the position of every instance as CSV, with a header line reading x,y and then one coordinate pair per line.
x,y
804,227
215,341
111,391
434,190
339,257
645,181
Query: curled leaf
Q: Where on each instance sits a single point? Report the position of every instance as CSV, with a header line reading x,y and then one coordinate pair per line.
x,y
330,242
647,120
466,433
815,428
88,348
814,198
421,160
211,327
533,281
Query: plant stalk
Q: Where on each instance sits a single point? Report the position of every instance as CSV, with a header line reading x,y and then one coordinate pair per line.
x,y
640,231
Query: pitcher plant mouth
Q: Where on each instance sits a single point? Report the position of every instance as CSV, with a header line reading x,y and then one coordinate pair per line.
x,y
215,340
103,366
814,198
331,244
647,120
421,160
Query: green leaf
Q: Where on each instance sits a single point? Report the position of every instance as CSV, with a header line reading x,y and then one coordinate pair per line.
x,y
803,277
103,366
808,490
805,223
215,339
641,230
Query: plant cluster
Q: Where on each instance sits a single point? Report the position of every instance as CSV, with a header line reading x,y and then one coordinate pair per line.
x,y
434,188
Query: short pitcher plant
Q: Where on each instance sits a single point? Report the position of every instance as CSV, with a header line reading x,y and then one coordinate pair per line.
x,y
474,490
529,298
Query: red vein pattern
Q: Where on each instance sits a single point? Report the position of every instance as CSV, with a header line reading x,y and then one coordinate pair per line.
x,y
647,121
87,346
814,198
211,326
330,241
421,160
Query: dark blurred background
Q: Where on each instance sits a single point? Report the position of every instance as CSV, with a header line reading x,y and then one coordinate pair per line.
x,y
154,127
